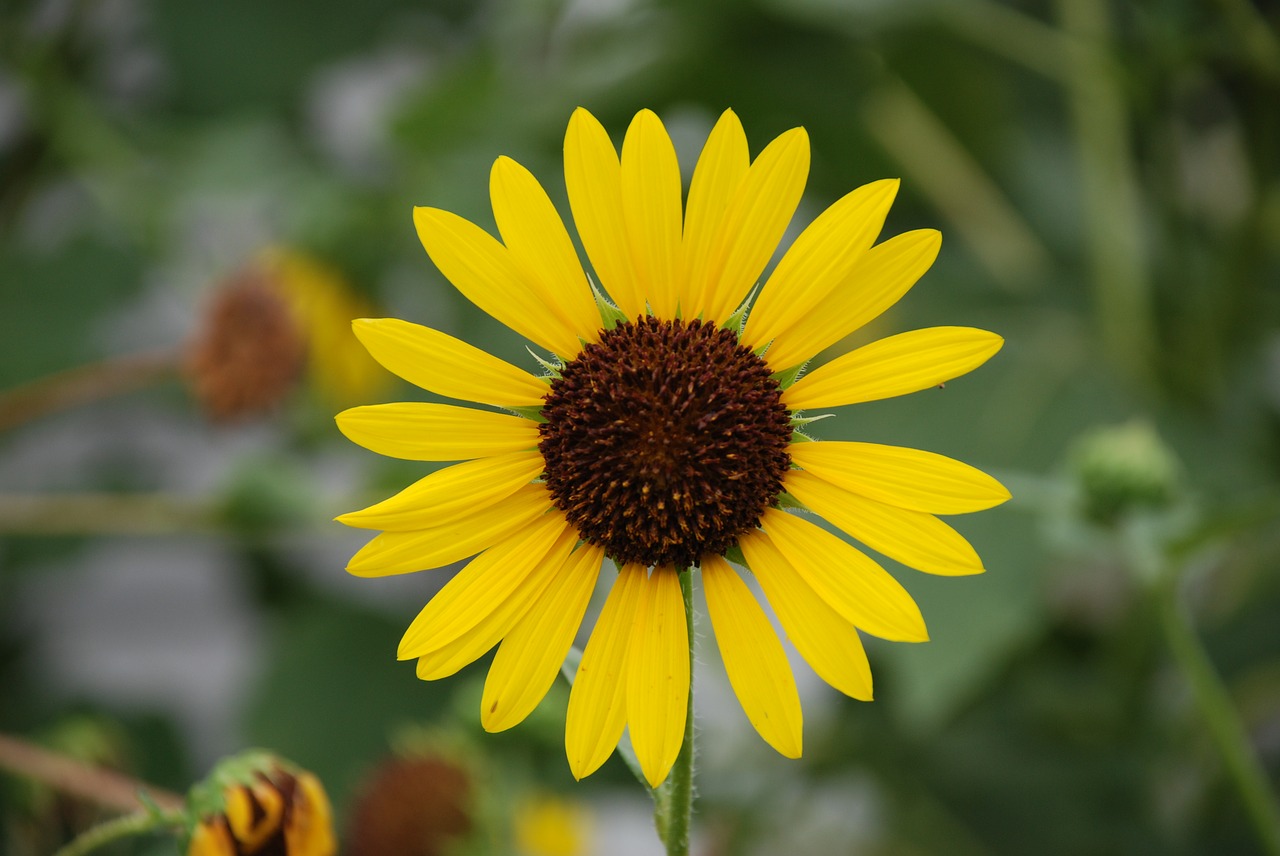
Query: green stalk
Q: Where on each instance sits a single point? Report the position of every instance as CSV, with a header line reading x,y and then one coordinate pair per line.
x,y
1112,205
673,802
121,827
1225,728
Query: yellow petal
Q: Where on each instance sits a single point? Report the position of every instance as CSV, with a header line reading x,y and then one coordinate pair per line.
x,y
483,270
819,261
450,494
447,366
541,248
593,178
755,221
852,583
212,838
505,613
915,539
900,364
417,431
651,198
658,674
422,549
753,658
530,656
828,643
481,587
881,276
598,701
721,167
907,478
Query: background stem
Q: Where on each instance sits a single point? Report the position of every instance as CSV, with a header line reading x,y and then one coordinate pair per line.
x,y
1214,703
92,784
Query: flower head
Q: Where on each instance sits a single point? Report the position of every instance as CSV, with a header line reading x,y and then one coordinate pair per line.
x,y
665,434
258,804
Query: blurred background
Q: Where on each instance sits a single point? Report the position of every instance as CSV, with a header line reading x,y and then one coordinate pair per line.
x,y
196,198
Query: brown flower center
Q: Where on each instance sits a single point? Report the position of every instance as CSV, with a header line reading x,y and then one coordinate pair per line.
x,y
665,441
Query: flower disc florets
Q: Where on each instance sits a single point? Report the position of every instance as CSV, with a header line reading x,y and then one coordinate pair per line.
x,y
665,441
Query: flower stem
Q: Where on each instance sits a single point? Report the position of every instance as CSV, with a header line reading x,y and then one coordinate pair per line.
x,y
121,827
1225,728
93,784
673,810
85,384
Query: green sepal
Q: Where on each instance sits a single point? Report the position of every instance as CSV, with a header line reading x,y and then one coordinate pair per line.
x,y
800,421
552,366
786,500
789,376
529,411
738,319
610,315
734,554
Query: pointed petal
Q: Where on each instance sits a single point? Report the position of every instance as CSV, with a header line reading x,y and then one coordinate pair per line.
x,y
721,167
854,585
481,587
417,431
505,613
907,362
423,549
530,656
541,248
449,494
907,478
483,270
651,209
593,178
755,221
915,539
819,261
658,674
878,280
598,701
447,366
753,658
828,643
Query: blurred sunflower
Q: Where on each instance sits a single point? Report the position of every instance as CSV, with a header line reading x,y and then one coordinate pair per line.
x,y
664,435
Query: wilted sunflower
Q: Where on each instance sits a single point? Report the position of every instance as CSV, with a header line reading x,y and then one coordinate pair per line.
x,y
664,435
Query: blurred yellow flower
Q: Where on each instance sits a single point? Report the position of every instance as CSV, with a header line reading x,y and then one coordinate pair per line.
x,y
667,434
547,826
324,305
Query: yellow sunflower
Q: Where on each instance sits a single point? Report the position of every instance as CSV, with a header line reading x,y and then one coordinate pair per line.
x,y
664,435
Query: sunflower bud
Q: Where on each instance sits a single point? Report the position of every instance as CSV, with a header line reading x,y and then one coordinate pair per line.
x,y
258,805
251,350
1124,468
419,805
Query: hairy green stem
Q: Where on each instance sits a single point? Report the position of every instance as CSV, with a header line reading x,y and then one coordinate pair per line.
x,y
1225,728
121,827
673,802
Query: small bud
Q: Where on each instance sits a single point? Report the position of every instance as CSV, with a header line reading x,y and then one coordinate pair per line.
x,y
1124,468
258,804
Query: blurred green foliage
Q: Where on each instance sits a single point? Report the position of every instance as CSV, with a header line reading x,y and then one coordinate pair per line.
x,y
1106,174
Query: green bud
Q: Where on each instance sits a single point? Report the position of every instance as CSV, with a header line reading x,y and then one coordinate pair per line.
x,y
1124,468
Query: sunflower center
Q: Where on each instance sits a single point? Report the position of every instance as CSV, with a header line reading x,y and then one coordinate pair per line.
x,y
665,441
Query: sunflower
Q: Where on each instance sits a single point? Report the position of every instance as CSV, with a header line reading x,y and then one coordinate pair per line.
x,y
664,434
